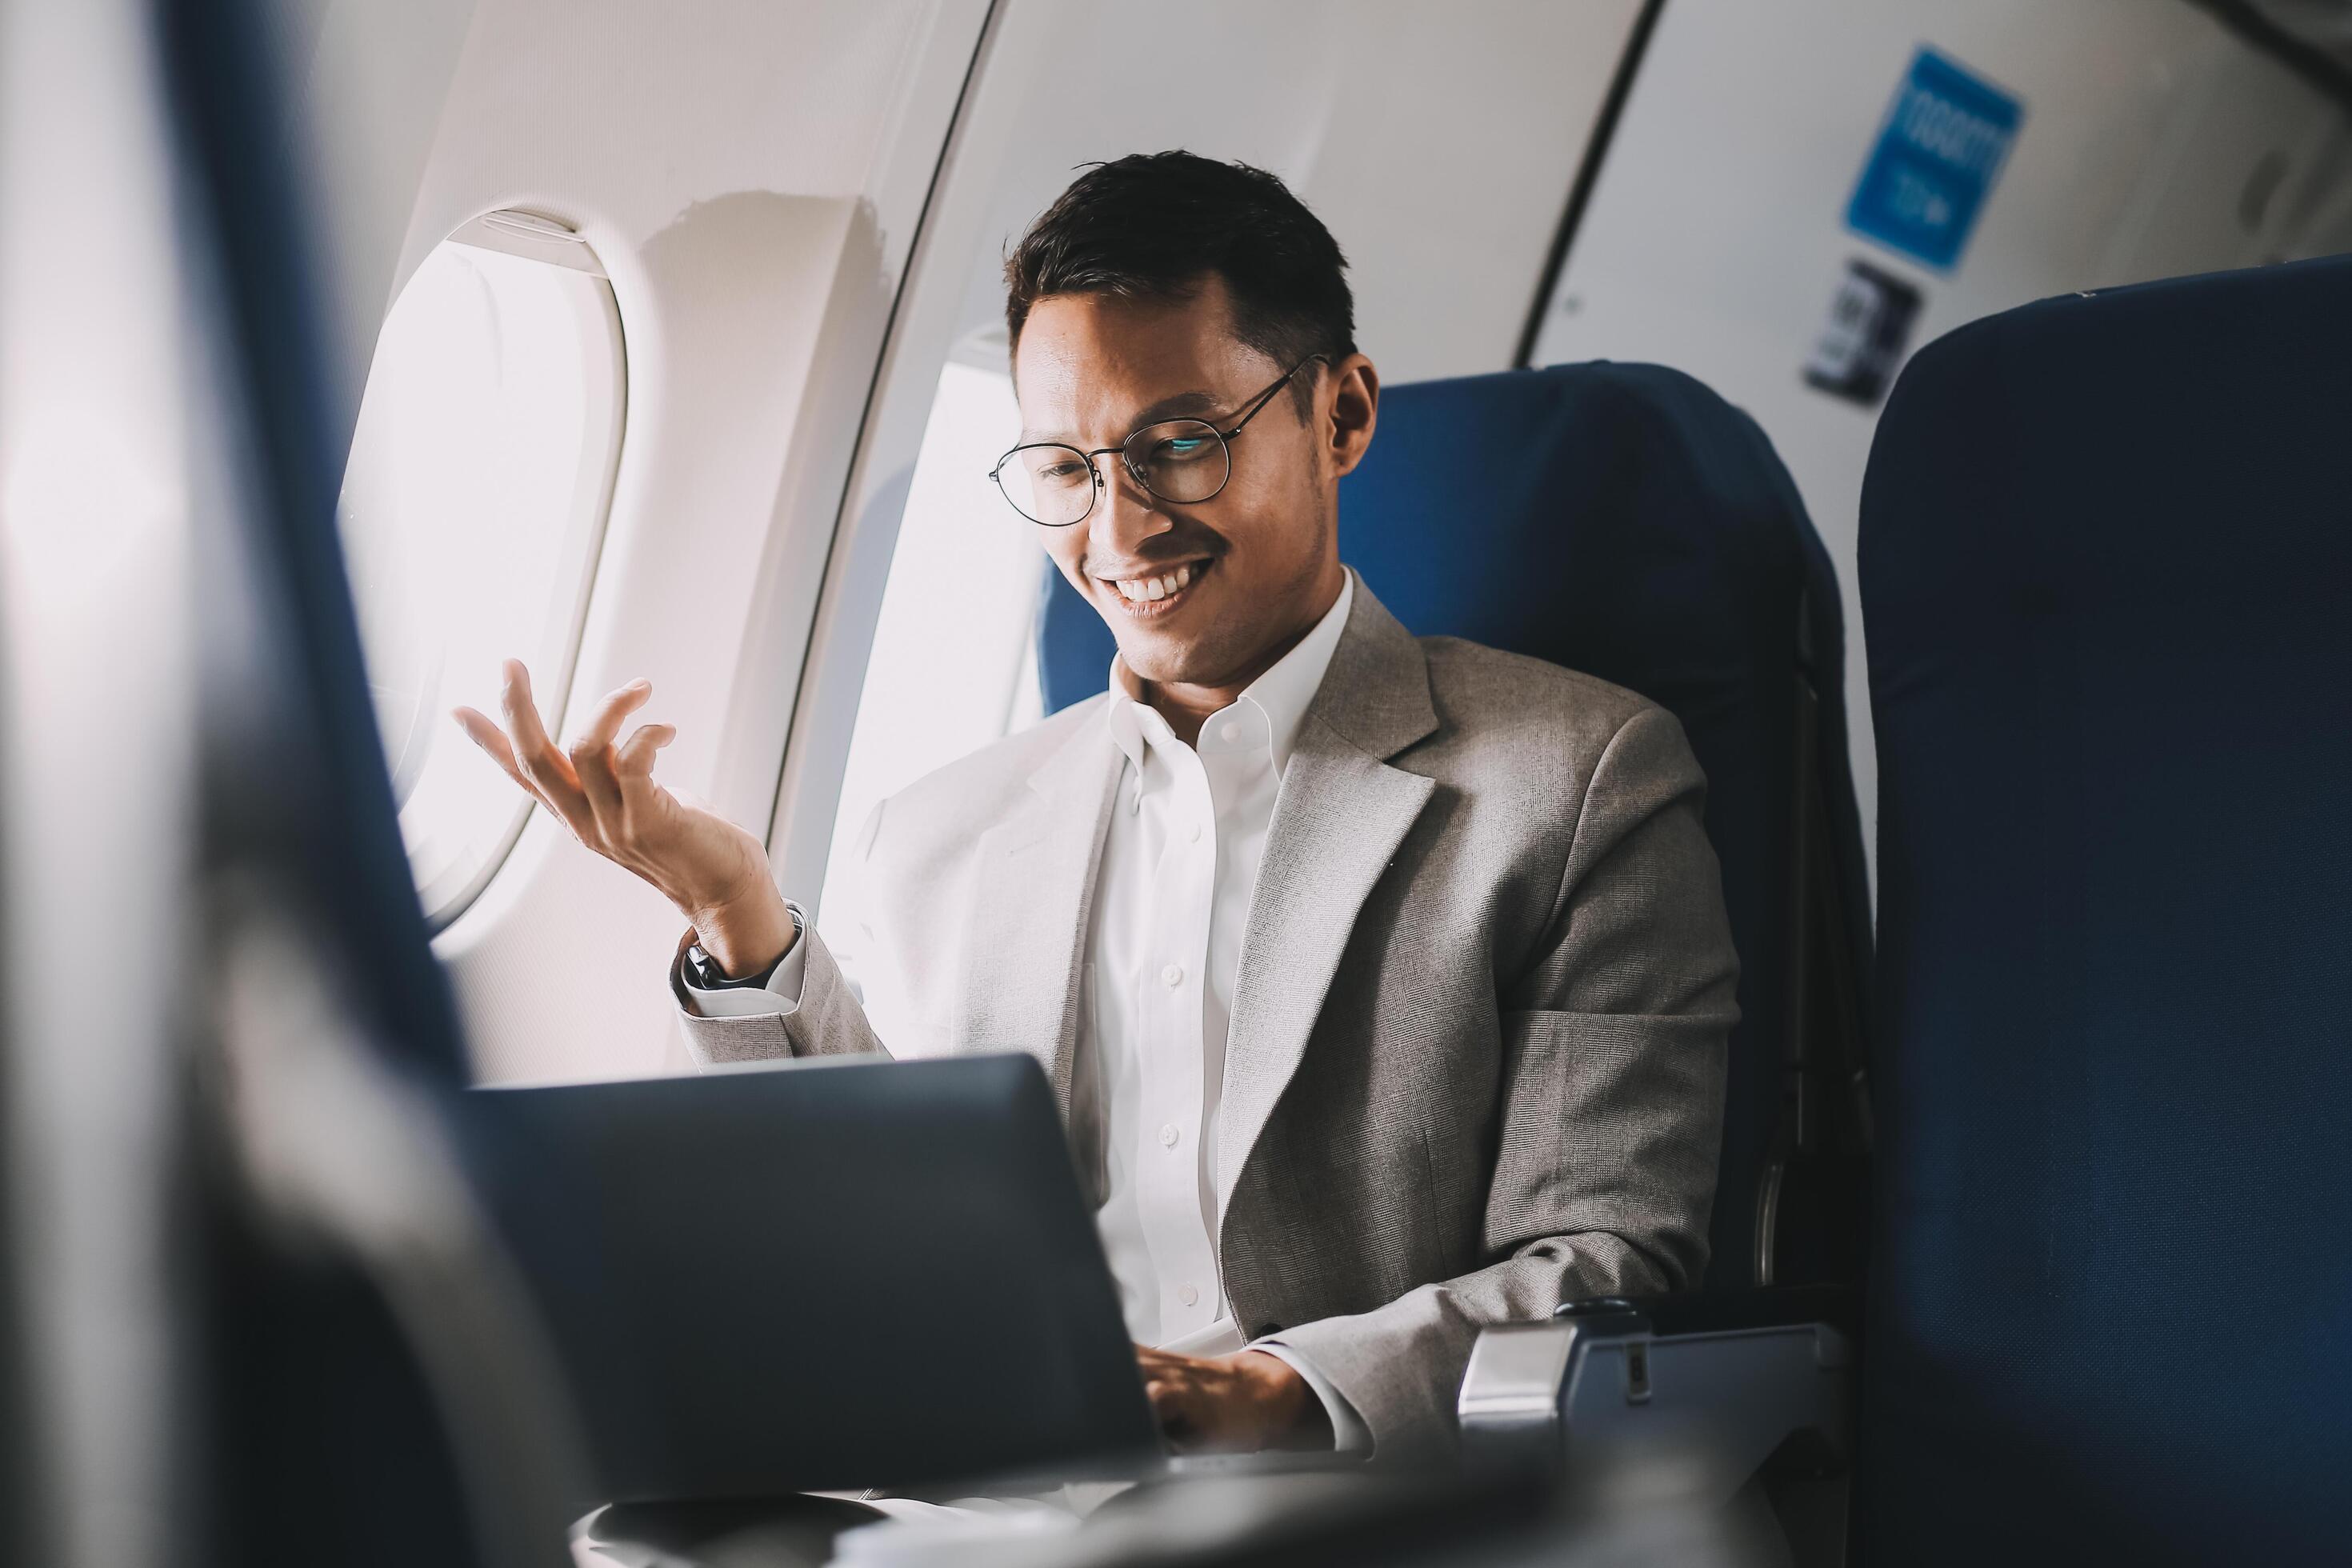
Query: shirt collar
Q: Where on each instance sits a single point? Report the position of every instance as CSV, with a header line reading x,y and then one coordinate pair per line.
x,y
1270,710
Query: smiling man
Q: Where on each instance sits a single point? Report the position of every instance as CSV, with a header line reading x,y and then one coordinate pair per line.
x,y
1384,981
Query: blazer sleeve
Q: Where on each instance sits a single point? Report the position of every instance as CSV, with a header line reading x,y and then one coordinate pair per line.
x,y
830,1017
830,1020
1615,1043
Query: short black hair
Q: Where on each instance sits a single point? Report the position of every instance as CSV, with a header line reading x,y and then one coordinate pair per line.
x,y
1152,224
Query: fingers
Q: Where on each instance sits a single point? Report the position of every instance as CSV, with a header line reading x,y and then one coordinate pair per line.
x,y
1162,1392
605,722
491,739
1168,1384
1177,1405
545,767
592,751
634,762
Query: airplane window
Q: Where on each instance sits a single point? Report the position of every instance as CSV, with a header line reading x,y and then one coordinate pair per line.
x,y
471,512
954,662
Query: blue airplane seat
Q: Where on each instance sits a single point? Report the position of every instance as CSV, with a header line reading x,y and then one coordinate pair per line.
x,y
2107,570
1624,521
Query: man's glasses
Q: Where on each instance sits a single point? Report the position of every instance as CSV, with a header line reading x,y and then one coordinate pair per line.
x,y
1185,461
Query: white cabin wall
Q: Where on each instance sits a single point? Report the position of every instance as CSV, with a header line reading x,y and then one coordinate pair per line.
x,y
751,178
1715,237
1437,142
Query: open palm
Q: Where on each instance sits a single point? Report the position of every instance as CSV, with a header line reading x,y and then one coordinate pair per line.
x,y
601,788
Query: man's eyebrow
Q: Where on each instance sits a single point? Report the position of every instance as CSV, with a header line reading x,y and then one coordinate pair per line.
x,y
1185,404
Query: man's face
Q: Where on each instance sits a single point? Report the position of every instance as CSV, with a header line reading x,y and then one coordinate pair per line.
x,y
1261,555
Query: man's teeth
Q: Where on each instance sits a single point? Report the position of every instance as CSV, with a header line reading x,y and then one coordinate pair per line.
x,y
1141,588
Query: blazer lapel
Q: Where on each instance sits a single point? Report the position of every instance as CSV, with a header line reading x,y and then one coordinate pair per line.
x,y
1020,983
1340,816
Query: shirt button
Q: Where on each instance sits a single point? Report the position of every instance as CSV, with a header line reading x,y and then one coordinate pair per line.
x,y
1196,833
1168,1136
1173,974
1189,1295
1231,731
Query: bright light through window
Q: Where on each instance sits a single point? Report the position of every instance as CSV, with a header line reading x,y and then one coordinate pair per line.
x,y
471,513
954,663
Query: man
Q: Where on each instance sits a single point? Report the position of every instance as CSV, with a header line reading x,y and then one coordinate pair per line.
x,y
1384,983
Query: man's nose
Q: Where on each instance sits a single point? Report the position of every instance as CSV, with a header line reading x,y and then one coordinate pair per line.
x,y
1125,513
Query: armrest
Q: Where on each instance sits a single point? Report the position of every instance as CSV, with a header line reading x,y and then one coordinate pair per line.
x,y
1627,1410
1770,1307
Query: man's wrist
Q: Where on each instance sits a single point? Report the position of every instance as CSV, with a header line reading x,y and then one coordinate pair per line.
x,y
1296,1416
747,940
703,974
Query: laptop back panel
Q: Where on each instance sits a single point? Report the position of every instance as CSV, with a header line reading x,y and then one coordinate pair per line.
x,y
818,1275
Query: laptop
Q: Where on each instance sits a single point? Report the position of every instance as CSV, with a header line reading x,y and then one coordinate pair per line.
x,y
817,1275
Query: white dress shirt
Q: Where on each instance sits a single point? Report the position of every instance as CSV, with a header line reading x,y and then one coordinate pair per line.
x,y
1172,895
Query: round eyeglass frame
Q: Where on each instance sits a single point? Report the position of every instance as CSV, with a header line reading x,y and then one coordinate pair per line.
x,y
1126,453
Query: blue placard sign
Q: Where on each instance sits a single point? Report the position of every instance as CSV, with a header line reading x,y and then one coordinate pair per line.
x,y
1943,142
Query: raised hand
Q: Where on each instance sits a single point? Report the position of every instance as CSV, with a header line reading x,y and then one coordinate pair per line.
x,y
604,794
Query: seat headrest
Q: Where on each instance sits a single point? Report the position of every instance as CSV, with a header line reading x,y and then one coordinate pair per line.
x,y
1619,519
2095,453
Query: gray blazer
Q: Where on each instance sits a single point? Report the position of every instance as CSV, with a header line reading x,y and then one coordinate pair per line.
x,y
1477,1058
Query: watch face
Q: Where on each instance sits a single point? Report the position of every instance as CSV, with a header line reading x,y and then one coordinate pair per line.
x,y
706,972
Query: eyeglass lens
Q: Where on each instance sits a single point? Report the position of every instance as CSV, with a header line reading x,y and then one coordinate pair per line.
x,y
1181,460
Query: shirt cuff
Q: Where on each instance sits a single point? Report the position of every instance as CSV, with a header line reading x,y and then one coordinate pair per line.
x,y
779,997
1349,1433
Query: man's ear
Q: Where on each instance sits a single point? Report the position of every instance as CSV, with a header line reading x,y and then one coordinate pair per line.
x,y
1354,409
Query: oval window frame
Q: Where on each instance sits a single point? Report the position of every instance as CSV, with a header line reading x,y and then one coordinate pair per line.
x,y
541,237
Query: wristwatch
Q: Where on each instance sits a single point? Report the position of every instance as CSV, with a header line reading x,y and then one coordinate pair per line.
x,y
702,971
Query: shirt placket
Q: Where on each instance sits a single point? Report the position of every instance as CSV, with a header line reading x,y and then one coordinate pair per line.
x,y
1236,764
1184,869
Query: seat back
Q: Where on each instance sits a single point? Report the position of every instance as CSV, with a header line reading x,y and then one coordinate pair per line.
x,y
2106,570
1623,521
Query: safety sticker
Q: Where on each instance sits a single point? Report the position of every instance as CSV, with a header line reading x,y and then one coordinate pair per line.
x,y
1942,145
